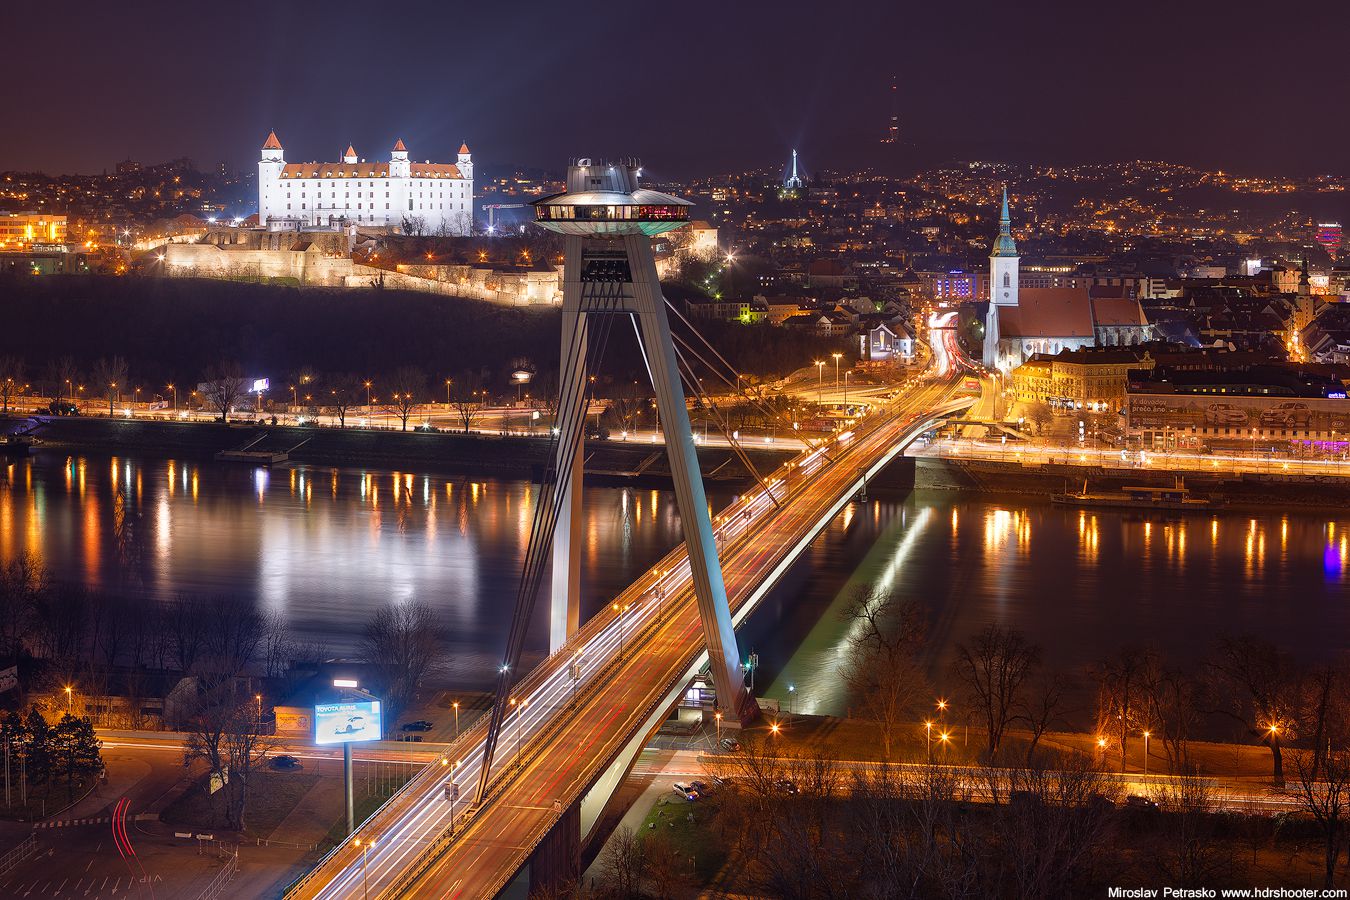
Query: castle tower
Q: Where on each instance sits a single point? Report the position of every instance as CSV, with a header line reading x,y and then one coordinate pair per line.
x,y
273,160
399,166
465,162
350,156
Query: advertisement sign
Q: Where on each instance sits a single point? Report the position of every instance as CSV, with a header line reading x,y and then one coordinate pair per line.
x,y
339,723
1240,414
260,385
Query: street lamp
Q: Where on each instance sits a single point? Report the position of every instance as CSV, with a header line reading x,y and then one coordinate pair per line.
x,y
174,389
456,707
1146,737
364,845
623,624
928,732
836,369
718,716
70,700
519,710
820,378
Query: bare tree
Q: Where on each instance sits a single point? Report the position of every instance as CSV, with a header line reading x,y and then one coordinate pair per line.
x,y
344,392
1255,684
403,645
466,397
882,671
1120,708
626,863
992,669
1188,852
224,388
11,380
1040,707
409,390
1326,799
1169,708
111,377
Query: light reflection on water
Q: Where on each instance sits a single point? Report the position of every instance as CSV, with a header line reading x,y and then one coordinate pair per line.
x,y
325,547
1081,583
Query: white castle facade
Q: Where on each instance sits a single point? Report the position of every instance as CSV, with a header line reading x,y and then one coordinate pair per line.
x,y
425,198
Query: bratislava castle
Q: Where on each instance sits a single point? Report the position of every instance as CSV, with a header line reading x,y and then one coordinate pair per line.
x,y
434,198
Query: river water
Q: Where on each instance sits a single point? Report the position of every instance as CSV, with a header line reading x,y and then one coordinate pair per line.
x,y
327,547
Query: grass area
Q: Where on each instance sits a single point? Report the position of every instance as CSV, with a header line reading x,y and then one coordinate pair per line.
x,y
691,829
271,798
43,800
365,806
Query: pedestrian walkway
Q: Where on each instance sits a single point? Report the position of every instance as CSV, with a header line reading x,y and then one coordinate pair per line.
x,y
67,823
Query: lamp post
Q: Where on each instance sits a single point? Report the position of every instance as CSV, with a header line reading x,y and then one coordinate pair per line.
x,y
447,392
836,369
174,389
364,845
456,708
520,710
820,379
928,732
623,624
1146,737
718,716
70,700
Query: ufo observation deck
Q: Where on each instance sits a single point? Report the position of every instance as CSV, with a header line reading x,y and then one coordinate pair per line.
x,y
604,199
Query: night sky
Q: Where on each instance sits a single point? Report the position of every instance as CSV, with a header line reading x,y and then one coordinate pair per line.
x,y
692,87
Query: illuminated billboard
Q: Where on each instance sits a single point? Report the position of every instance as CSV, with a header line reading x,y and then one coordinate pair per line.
x,y
260,385
340,723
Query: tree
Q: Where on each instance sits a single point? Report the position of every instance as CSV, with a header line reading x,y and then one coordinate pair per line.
x,y
111,376
992,669
1120,708
882,671
1326,799
465,397
1256,686
75,751
344,392
403,645
1188,852
226,732
1039,415
409,388
1041,707
11,380
38,749
23,583
1169,708
224,388
626,863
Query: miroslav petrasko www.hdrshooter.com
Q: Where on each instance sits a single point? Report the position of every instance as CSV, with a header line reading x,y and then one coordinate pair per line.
x,y
1265,893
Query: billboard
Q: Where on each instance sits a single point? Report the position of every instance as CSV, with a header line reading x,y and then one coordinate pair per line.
x,y
354,720
1304,417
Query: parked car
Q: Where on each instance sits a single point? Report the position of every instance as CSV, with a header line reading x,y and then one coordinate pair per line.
x,y
419,725
1288,415
686,791
730,745
1139,801
785,786
285,763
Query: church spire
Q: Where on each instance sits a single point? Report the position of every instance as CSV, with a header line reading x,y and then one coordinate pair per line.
x,y
1004,245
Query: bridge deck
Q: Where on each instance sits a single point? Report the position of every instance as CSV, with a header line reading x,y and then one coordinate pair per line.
x,y
563,735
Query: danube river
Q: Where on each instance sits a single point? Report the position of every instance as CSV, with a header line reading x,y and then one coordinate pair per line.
x,y
326,548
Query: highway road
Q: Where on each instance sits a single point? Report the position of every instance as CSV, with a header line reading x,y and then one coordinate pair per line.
x,y
560,735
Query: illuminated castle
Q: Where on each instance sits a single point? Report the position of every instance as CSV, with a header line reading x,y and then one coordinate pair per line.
x,y
425,198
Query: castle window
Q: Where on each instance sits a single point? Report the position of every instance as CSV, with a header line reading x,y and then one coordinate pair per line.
x,y
1007,280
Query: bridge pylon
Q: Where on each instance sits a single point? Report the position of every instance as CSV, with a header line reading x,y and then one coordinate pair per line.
x,y
609,271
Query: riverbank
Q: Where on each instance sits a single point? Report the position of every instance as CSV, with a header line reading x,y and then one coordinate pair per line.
x,y
1238,490
479,454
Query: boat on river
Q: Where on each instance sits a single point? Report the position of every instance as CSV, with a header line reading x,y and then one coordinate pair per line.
x,y
1177,497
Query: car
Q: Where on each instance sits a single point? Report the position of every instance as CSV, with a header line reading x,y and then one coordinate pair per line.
x,y
1139,801
702,787
1225,414
285,763
785,786
1288,415
686,791
355,725
419,725
61,408
729,745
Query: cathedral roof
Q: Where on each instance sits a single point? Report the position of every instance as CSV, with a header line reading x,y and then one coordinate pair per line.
x,y
399,148
272,142
1048,313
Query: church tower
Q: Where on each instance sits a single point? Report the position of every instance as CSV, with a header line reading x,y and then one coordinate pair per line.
x,y
269,178
1003,261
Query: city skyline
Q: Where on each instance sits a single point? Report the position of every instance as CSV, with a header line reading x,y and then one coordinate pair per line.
x,y
728,88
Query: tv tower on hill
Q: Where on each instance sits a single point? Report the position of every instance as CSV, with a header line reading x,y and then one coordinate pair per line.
x,y
892,135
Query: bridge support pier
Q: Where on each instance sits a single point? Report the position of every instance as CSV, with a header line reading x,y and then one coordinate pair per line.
x,y
555,865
